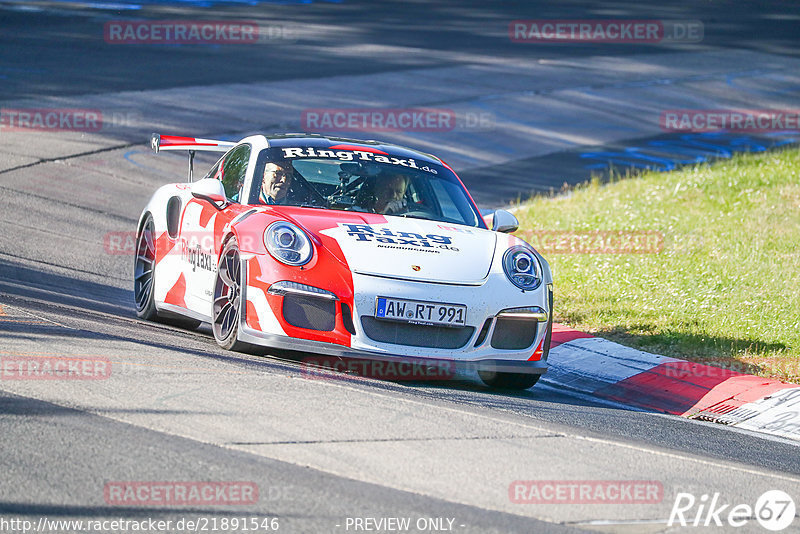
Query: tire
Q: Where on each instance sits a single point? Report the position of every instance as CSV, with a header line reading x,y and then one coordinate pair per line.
x,y
144,271
144,279
513,381
549,334
518,381
227,305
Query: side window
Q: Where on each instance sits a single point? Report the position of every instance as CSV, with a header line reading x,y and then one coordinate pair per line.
x,y
214,172
234,169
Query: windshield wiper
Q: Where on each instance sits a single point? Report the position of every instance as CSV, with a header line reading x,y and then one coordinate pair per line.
x,y
410,216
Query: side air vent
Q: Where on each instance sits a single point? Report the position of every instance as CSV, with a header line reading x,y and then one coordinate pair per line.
x,y
173,216
484,331
347,319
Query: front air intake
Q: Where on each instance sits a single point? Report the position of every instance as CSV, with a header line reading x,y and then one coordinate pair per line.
x,y
308,312
414,335
514,334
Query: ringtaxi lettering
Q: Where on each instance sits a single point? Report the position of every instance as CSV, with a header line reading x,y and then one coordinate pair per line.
x,y
355,155
367,232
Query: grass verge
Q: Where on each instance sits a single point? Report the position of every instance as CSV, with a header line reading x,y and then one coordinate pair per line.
x,y
702,263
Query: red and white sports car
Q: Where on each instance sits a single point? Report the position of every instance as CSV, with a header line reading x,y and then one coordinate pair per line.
x,y
345,248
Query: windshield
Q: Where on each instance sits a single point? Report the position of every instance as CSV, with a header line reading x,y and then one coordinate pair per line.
x,y
404,187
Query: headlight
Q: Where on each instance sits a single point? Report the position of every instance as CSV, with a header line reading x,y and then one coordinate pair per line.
x,y
522,268
288,244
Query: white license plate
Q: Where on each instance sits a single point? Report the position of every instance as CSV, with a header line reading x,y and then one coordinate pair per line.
x,y
420,312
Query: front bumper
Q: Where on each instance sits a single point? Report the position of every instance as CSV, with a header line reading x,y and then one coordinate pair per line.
x,y
255,337
477,352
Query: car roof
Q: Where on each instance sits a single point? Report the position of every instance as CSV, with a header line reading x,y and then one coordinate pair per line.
x,y
324,142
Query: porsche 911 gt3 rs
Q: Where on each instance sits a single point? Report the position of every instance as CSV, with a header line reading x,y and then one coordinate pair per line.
x,y
345,248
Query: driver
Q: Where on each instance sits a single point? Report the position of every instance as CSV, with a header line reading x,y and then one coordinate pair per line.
x,y
276,183
390,193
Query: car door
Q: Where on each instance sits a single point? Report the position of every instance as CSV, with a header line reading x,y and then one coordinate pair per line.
x,y
201,229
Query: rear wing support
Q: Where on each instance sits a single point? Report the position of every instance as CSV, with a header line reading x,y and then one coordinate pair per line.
x,y
192,144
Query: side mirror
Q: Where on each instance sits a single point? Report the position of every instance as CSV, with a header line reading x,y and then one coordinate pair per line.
x,y
504,221
210,190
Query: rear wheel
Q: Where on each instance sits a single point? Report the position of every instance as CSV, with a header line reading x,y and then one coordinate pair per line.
x,y
144,269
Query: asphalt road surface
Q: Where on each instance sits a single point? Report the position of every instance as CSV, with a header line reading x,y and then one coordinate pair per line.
x,y
329,453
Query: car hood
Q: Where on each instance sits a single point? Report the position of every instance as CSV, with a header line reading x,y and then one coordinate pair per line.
x,y
405,248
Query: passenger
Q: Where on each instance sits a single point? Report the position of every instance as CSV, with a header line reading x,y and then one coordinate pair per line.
x,y
390,194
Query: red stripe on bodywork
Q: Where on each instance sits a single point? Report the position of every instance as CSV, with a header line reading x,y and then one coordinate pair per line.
x,y
564,334
254,276
206,212
537,354
684,388
358,148
252,316
164,246
177,294
170,140
328,270
220,223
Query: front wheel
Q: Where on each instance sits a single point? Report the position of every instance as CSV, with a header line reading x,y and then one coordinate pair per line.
x,y
227,308
521,381
515,381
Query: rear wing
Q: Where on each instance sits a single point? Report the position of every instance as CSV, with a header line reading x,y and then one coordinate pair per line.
x,y
192,144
